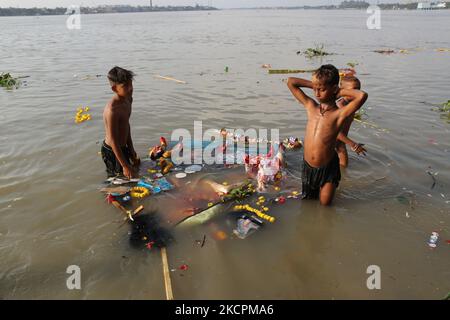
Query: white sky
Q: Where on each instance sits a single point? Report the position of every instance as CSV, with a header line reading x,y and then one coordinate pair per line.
x,y
215,3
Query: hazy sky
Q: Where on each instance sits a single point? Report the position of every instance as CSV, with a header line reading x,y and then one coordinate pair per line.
x,y
216,3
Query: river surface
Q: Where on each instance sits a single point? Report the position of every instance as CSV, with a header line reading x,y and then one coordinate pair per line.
x,y
53,216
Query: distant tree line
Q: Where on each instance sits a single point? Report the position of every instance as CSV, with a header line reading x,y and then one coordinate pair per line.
x,y
95,10
351,4
383,6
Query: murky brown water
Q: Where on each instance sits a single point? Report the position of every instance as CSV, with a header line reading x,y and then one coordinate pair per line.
x,y
52,215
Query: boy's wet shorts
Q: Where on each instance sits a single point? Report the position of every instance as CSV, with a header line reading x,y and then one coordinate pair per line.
x,y
315,178
113,167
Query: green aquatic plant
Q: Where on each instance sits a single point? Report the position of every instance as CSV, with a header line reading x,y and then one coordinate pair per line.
x,y
318,51
361,115
444,109
9,82
240,192
352,64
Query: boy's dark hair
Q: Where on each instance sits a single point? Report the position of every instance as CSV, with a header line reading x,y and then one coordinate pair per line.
x,y
118,75
353,80
328,73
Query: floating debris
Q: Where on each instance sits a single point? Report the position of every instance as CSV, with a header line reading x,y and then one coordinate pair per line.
x,y
170,79
255,211
184,267
9,82
285,71
432,242
388,51
139,192
361,114
193,168
82,115
318,51
434,179
244,228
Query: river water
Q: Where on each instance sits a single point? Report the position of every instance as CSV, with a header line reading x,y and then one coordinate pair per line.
x,y
52,215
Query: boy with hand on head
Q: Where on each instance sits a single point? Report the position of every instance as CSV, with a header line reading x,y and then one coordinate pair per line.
x,y
321,172
117,150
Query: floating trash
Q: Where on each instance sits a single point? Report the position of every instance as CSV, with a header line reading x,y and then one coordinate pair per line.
x,y
432,242
184,267
388,51
170,79
194,168
255,211
181,175
82,115
139,192
245,227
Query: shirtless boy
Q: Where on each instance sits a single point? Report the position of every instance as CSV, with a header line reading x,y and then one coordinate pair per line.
x,y
321,172
117,149
347,82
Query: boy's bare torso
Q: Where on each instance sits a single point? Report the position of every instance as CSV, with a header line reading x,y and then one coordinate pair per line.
x,y
321,135
120,110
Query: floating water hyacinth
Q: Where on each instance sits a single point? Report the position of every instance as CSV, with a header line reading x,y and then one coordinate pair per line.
x,y
82,115
361,115
9,82
444,109
318,51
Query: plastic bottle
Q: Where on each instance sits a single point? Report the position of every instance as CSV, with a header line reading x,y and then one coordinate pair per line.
x,y
433,239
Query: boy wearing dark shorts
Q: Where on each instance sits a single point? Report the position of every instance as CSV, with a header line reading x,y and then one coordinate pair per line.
x,y
321,172
117,150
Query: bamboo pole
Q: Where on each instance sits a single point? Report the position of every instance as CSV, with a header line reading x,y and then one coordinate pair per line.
x,y
167,281
170,79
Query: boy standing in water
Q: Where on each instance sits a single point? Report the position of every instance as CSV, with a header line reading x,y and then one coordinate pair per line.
x,y
321,172
117,149
347,82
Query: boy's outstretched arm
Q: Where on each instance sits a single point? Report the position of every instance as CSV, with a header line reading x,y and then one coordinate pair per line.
x,y
294,84
357,147
357,97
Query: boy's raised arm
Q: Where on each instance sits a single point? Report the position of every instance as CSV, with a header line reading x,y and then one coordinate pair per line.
x,y
357,98
294,84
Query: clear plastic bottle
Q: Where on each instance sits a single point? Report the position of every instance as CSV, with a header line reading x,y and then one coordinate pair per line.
x,y
433,239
